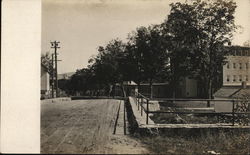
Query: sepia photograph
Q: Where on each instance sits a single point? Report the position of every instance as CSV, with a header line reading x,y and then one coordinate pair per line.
x,y
145,77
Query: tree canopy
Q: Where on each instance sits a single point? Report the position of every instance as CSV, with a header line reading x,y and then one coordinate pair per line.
x,y
190,42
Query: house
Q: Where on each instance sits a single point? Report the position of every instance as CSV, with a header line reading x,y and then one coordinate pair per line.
x,y
45,79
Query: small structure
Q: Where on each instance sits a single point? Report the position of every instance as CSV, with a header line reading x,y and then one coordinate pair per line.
x,y
130,87
187,88
45,78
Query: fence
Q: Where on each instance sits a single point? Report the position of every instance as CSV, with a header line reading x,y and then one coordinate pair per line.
x,y
240,108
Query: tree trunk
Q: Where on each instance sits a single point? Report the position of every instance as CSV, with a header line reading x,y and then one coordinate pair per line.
x,y
173,78
209,89
110,90
151,88
174,90
114,90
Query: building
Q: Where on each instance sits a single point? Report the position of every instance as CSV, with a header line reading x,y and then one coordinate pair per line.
x,y
236,73
237,68
45,80
130,87
235,77
187,88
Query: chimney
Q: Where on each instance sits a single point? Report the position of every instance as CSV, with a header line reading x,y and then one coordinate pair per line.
x,y
244,85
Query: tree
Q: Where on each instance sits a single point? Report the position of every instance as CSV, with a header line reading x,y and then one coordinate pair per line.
x,y
109,64
47,62
149,52
135,47
202,29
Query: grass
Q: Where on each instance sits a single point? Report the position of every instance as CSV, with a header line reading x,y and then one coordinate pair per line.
x,y
182,118
169,118
195,141
220,142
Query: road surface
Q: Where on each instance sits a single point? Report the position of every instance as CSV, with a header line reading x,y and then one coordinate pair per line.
x,y
86,126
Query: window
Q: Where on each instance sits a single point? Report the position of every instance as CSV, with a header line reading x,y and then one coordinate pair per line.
x,y
240,77
246,77
228,65
234,79
228,78
246,65
240,65
234,65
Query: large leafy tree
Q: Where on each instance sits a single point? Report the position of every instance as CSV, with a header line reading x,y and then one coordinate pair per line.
x,y
155,58
46,60
200,31
136,47
149,55
109,64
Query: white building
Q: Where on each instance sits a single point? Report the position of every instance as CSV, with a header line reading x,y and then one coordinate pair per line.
x,y
236,73
237,68
45,87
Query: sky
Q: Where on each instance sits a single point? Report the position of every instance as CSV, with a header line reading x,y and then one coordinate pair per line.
x,y
83,25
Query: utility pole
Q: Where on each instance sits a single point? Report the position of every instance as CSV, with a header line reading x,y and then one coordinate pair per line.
x,y
53,74
54,45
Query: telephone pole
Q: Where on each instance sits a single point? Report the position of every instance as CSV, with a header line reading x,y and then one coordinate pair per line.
x,y
54,45
53,74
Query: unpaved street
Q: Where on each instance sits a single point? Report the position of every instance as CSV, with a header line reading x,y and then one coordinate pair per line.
x,y
85,126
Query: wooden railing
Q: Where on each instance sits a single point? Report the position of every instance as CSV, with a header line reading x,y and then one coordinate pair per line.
x,y
141,99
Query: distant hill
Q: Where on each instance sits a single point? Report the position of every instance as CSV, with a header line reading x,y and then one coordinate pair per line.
x,y
65,75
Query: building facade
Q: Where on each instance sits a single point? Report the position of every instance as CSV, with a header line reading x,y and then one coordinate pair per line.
x,y
237,68
45,87
187,88
236,74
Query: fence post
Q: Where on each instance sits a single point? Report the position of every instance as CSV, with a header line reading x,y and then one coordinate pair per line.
x,y
147,112
136,99
141,105
233,113
138,103
124,117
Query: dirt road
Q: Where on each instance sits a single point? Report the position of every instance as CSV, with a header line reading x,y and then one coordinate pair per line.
x,y
85,126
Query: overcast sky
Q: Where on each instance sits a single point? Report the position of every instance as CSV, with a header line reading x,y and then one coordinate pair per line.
x,y
83,25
